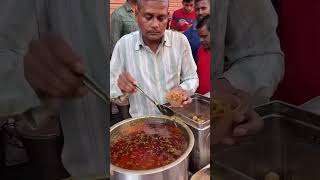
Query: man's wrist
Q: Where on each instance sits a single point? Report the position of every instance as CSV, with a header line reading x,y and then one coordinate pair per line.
x,y
222,85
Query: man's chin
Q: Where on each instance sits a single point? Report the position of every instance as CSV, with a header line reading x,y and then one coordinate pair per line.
x,y
205,46
154,37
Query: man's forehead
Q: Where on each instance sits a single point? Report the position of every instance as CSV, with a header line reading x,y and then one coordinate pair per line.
x,y
157,10
201,2
142,3
203,30
188,3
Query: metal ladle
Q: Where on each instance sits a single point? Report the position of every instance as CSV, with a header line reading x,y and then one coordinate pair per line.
x,y
98,91
95,89
163,109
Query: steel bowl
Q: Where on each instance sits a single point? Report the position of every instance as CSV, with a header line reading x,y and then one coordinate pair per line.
x,y
177,170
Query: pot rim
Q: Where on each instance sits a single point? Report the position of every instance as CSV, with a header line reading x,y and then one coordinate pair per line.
x,y
162,168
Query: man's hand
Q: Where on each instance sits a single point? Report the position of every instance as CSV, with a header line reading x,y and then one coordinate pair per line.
x,y
182,22
186,99
127,83
246,121
53,69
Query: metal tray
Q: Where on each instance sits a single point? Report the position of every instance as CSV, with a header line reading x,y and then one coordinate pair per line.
x,y
200,105
202,174
288,145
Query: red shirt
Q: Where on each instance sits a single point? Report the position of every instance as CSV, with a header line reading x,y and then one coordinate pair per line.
x,y
181,14
300,38
203,70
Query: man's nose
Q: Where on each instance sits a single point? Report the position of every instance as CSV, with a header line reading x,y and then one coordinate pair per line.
x,y
154,23
200,12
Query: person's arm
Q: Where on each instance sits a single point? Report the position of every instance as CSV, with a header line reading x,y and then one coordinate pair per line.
x,y
189,76
116,28
174,23
18,27
253,48
117,67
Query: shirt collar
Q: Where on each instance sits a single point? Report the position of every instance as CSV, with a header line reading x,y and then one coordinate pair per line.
x,y
127,7
165,40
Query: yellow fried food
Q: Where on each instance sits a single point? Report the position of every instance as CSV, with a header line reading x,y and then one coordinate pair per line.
x,y
175,97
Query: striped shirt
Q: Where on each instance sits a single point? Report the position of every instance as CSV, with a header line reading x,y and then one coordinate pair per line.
x,y
156,73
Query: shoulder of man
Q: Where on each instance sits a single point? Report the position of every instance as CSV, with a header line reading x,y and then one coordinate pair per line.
x,y
118,11
176,36
129,37
188,31
177,12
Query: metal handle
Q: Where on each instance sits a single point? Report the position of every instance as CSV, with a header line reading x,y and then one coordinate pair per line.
x,y
95,88
154,102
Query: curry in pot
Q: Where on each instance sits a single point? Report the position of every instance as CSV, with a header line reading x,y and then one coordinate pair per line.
x,y
148,147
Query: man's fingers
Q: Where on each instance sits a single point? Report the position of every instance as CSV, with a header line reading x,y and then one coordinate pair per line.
x,y
58,74
64,53
129,78
254,124
238,117
125,84
187,101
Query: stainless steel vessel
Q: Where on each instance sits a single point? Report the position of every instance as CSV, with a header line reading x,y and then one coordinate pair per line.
x,y
200,155
177,170
288,146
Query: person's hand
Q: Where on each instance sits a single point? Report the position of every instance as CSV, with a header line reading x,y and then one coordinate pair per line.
x,y
182,22
127,83
245,120
186,99
53,69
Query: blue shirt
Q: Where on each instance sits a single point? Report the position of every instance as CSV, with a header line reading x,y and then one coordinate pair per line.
x,y
194,40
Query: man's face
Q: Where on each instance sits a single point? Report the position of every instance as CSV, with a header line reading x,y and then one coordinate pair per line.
x,y
204,37
188,6
202,9
152,19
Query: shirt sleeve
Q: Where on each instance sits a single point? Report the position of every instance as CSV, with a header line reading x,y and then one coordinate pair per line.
x,y
116,28
17,28
253,48
189,76
116,68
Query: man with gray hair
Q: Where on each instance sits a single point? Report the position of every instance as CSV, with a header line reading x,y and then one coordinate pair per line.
x,y
154,58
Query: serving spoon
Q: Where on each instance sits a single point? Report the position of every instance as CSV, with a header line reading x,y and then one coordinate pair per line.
x,y
163,109
99,92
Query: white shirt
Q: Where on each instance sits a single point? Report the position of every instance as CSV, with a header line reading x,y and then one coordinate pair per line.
x,y
156,73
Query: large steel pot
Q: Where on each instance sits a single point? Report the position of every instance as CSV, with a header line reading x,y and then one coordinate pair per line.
x,y
177,170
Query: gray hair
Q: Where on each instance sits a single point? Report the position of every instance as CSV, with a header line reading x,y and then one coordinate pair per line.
x,y
140,2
